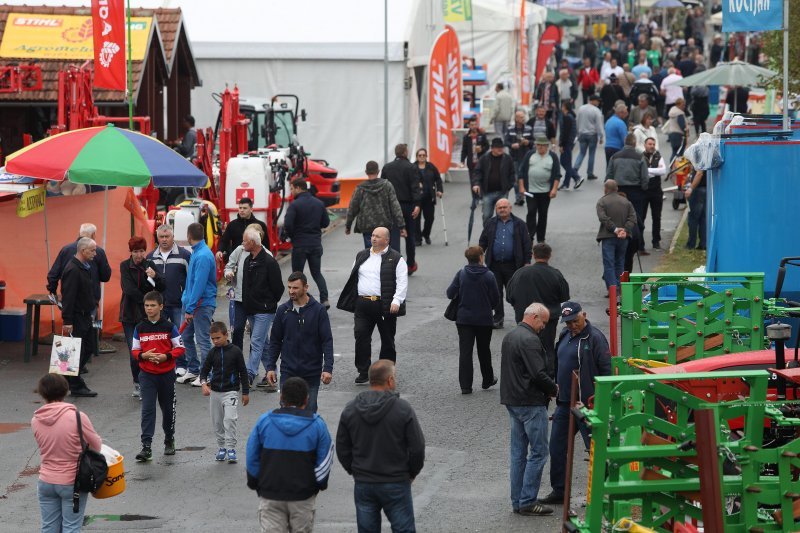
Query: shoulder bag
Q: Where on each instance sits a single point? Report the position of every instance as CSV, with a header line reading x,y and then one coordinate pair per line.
x,y
92,469
451,313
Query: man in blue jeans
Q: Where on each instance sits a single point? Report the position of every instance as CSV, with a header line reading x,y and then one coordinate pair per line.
x,y
262,289
305,219
526,386
583,348
617,221
380,443
591,128
199,301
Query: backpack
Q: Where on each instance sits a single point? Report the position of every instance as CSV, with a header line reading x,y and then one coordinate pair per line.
x,y
92,469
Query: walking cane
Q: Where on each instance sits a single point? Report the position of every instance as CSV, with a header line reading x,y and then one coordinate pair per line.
x,y
444,222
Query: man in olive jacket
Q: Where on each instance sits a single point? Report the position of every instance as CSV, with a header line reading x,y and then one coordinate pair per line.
x,y
374,204
526,386
617,220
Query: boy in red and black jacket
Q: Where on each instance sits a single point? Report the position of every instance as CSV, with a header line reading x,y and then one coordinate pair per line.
x,y
156,345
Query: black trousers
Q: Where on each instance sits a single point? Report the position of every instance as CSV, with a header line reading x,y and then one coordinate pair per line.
x,y
502,275
536,219
368,315
83,327
161,388
411,236
467,337
636,196
428,211
654,199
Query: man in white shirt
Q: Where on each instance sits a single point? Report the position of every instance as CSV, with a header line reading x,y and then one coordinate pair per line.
x,y
671,91
375,292
654,196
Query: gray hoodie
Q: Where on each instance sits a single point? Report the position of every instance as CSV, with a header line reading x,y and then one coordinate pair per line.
x,y
379,439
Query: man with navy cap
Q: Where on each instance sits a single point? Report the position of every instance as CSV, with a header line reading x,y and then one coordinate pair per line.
x,y
583,348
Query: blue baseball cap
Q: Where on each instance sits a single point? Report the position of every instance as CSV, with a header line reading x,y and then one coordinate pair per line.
x,y
570,311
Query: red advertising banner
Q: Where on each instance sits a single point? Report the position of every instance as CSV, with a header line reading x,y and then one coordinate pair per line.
x,y
546,44
444,97
108,34
524,64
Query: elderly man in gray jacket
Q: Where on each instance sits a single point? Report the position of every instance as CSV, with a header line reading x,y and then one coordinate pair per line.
x,y
617,220
629,169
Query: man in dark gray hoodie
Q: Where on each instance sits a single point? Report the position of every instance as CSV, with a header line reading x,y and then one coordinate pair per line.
x,y
380,443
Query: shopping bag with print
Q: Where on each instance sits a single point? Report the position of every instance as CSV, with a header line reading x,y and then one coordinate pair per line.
x,y
65,355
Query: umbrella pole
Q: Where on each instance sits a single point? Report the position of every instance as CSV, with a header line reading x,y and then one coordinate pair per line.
x,y
105,238
47,252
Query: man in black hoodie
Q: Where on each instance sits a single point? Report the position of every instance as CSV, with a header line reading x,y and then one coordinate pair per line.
x,y
380,443
262,289
405,179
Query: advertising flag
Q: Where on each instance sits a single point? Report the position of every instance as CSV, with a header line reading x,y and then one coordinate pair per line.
x,y
546,44
524,64
444,97
457,10
751,15
108,34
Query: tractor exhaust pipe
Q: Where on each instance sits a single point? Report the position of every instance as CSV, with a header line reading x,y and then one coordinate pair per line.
x,y
779,334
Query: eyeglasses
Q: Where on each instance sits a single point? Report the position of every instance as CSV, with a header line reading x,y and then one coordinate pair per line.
x,y
421,156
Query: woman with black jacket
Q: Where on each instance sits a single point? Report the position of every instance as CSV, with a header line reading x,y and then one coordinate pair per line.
x,y
477,293
138,276
432,188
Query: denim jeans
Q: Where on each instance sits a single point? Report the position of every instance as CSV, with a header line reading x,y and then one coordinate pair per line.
x,y
697,218
314,257
489,199
55,504
393,498
259,338
173,314
613,250
559,440
586,141
197,330
566,162
528,452
127,328
239,321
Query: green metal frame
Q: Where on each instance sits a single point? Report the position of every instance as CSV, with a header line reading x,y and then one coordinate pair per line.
x,y
731,305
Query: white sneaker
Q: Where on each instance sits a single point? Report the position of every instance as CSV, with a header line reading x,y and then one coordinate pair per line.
x,y
188,376
180,371
196,383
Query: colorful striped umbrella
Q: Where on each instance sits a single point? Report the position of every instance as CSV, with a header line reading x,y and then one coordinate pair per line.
x,y
105,155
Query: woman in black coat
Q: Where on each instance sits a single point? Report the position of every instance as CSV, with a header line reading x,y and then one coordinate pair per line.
x,y
476,289
138,276
432,188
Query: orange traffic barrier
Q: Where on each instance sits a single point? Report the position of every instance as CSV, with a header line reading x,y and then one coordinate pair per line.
x,y
346,188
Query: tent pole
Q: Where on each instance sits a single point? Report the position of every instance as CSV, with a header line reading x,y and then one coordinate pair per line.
x,y
385,81
47,251
130,75
785,66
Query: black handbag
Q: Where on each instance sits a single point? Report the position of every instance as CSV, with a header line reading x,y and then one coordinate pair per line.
x,y
92,469
451,313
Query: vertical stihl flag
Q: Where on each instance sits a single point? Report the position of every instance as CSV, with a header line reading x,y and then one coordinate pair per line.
x,y
444,97
108,33
524,64
546,44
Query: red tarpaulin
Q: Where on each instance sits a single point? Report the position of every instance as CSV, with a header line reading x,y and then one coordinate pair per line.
x,y
548,41
444,97
108,34
23,258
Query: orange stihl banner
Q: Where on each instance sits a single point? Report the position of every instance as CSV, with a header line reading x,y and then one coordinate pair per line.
x,y
444,97
108,25
524,64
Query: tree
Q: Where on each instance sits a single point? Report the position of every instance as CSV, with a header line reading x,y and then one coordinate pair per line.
x,y
773,49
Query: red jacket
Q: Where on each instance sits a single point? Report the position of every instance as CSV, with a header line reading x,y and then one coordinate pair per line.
x,y
162,337
588,80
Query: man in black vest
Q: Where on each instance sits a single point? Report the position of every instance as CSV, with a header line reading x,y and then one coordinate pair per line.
x,y
654,196
376,293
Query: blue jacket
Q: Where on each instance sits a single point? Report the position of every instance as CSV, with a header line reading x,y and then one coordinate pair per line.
x,y
289,455
616,131
173,272
587,352
201,279
303,340
477,291
305,218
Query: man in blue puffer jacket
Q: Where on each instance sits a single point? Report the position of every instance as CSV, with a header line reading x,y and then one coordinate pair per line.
x,y
199,301
301,335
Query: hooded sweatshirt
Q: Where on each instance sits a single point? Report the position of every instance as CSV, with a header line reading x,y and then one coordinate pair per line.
x,y
374,204
289,455
379,439
55,428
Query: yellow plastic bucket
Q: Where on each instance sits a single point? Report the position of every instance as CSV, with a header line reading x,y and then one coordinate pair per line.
x,y
115,481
